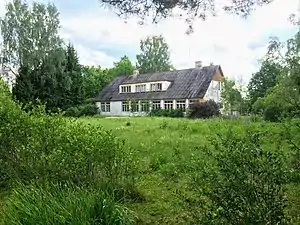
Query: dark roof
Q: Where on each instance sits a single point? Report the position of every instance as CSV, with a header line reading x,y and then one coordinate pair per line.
x,y
185,84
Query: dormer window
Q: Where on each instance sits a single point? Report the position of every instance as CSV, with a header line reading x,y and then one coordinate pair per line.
x,y
126,89
156,87
140,88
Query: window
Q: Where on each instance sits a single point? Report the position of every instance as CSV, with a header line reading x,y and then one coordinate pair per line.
x,y
105,107
156,87
134,106
140,88
125,106
156,105
145,106
168,104
180,104
126,89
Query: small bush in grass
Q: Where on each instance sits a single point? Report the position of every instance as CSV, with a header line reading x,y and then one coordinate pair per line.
x,y
62,204
203,110
244,183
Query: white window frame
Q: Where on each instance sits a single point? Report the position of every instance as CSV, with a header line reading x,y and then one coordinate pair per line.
x,y
145,106
125,106
134,106
125,89
156,87
168,104
156,105
140,88
105,107
180,104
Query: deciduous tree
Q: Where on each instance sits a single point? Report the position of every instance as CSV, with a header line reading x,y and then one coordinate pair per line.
x,y
154,56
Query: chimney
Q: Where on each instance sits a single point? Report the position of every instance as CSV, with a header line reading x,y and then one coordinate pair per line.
x,y
198,64
135,73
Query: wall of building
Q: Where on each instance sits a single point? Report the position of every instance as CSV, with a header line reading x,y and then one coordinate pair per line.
x,y
213,93
116,108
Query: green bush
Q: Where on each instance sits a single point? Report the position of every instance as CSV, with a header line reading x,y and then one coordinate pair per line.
x,y
62,204
203,110
272,113
82,110
167,113
39,146
243,183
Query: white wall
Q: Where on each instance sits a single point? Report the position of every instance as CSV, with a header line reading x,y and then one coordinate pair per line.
x,y
212,93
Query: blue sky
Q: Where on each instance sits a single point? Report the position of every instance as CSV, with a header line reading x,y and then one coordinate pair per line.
x,y
102,38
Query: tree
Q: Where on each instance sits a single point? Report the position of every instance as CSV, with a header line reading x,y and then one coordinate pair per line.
x,y
154,56
263,80
192,9
95,79
231,97
123,67
29,33
73,70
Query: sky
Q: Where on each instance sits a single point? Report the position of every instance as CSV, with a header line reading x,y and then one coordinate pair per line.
x,y
237,44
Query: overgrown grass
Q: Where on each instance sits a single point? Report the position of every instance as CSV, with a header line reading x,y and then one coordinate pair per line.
x,y
62,204
169,152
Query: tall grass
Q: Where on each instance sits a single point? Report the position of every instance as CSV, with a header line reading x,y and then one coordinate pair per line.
x,y
62,204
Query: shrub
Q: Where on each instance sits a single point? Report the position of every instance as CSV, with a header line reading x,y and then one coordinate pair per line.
x,y
60,204
82,110
203,109
36,145
272,113
245,184
167,113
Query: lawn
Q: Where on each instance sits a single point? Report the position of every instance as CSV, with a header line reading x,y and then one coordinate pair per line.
x,y
168,152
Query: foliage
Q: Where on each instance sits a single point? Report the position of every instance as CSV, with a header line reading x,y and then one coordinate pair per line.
x,y
272,113
82,110
204,110
192,9
263,80
167,113
34,146
154,56
21,45
245,183
285,95
122,67
231,97
62,204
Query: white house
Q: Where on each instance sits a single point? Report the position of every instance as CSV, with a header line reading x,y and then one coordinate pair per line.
x,y
137,94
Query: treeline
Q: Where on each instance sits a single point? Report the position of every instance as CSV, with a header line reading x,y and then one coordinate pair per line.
x,y
274,91
49,70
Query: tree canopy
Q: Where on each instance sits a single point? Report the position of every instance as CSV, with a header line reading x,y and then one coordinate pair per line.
x,y
154,56
159,9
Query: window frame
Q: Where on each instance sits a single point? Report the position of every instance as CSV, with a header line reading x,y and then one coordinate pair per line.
x,y
156,105
157,87
142,88
145,106
125,106
168,103
105,106
134,107
180,104
126,89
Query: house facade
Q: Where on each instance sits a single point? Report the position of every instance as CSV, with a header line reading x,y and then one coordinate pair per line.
x,y
137,94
